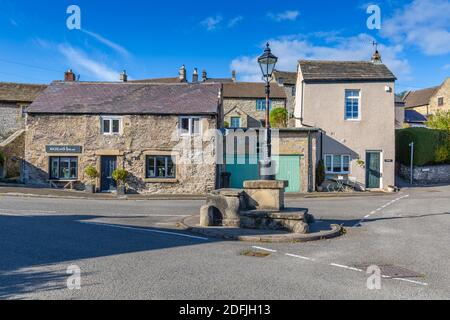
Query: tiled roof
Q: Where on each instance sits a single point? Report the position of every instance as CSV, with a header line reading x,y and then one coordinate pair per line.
x,y
399,101
127,98
19,92
252,90
412,116
420,97
330,71
285,77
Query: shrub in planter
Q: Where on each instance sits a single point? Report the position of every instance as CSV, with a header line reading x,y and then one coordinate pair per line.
x,y
92,174
320,175
120,176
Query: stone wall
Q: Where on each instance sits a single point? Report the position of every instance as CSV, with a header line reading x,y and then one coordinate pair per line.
x,y
141,136
290,103
427,174
11,119
248,106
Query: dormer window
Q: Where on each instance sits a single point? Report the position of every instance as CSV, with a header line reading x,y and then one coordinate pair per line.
x,y
111,125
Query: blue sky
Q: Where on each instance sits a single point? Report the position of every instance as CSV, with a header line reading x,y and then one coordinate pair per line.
x,y
154,38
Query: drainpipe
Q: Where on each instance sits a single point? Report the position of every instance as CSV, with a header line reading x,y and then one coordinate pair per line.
x,y
310,164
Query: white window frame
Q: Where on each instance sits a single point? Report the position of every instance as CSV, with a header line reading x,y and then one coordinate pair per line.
x,y
111,119
231,122
359,105
342,163
190,132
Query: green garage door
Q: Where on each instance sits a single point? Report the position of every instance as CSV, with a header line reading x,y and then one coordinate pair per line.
x,y
289,170
243,168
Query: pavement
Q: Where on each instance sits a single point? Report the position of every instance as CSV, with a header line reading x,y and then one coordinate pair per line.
x,y
136,249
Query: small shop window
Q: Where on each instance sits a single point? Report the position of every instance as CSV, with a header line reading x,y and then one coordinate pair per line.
x,y
160,167
63,168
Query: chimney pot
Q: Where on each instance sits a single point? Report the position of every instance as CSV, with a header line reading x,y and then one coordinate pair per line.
x,y
124,76
69,76
233,75
195,75
204,76
182,73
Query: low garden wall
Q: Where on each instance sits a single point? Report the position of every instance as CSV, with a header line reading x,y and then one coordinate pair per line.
x,y
434,174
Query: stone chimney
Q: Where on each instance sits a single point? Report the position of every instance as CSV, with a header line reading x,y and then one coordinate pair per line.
x,y
124,76
182,74
376,58
204,75
195,76
233,75
69,76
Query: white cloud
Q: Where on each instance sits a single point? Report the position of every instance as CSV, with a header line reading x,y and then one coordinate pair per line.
x,y
422,23
290,49
234,21
446,67
116,47
211,23
288,15
13,22
79,60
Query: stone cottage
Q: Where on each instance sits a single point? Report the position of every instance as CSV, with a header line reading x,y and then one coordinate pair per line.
x,y
157,132
430,100
14,100
244,103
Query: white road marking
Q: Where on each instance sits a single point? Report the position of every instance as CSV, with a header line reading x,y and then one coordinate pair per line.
x,y
411,281
380,209
264,249
299,257
345,267
145,230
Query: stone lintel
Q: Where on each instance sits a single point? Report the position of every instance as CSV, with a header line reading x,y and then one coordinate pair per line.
x,y
265,184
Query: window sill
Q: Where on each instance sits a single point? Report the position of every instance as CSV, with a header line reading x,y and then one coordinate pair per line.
x,y
160,180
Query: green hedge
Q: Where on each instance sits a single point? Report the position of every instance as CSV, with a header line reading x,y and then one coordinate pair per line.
x,y
427,142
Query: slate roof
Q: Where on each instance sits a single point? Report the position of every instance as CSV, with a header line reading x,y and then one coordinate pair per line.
x,y
158,80
252,90
19,92
412,116
331,71
419,97
127,98
288,78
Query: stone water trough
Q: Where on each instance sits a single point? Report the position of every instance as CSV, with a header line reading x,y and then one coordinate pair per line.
x,y
260,205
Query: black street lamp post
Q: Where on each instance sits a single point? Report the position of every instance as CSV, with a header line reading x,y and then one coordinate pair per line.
x,y
267,63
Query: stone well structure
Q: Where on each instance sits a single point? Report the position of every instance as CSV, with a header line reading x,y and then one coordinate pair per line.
x,y
260,205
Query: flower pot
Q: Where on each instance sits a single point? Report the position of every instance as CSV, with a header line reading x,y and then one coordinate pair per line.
x,y
121,190
89,188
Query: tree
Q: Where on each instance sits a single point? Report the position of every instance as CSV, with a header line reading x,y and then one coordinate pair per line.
x,y
120,176
278,118
92,173
440,121
2,159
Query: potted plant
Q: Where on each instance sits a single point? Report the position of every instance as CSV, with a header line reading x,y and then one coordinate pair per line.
x,y
120,176
92,174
